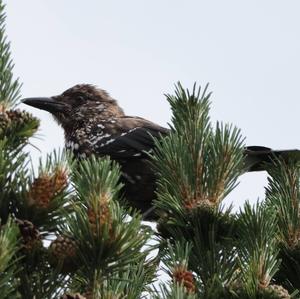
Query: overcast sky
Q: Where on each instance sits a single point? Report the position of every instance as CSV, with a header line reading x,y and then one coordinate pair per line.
x,y
247,50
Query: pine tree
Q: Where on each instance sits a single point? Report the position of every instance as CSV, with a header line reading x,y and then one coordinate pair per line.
x,y
209,251
65,232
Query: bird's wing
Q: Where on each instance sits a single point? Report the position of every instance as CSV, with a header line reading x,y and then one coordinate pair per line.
x,y
131,143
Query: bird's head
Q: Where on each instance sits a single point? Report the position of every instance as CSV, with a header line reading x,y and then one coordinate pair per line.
x,y
78,104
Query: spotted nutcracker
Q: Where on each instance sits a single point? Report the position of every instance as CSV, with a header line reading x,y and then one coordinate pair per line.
x,y
94,123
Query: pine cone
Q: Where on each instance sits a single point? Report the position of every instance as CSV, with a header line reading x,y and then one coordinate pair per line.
x,y
46,187
16,121
182,276
19,117
276,291
99,216
63,251
41,191
30,234
199,203
63,247
4,121
59,180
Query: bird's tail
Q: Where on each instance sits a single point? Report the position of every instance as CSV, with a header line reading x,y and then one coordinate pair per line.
x,y
257,157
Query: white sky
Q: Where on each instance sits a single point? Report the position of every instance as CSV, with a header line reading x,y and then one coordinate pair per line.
x,y
136,50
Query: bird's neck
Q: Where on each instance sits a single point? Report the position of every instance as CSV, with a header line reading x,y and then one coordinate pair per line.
x,y
90,125
83,119
83,136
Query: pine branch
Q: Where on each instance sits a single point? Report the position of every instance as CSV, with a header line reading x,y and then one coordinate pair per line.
x,y
257,250
8,261
106,242
282,196
38,213
9,87
196,165
176,292
131,282
12,178
46,193
176,260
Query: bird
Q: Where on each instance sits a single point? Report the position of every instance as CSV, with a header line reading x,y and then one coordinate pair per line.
x,y
95,124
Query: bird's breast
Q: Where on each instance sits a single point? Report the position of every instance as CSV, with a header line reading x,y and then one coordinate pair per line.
x,y
87,140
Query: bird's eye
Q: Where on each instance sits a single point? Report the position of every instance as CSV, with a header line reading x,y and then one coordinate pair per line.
x,y
80,99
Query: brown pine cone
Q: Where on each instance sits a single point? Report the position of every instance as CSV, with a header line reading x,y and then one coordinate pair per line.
x,y
182,276
63,247
199,203
63,251
99,216
41,191
59,180
16,120
30,234
4,120
45,187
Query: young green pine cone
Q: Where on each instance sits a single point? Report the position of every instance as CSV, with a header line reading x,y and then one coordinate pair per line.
x,y
182,276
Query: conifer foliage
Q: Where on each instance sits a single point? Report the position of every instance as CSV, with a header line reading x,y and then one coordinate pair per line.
x,y
65,230
63,233
211,252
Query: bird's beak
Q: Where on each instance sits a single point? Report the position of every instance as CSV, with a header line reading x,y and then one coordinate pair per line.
x,y
49,104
